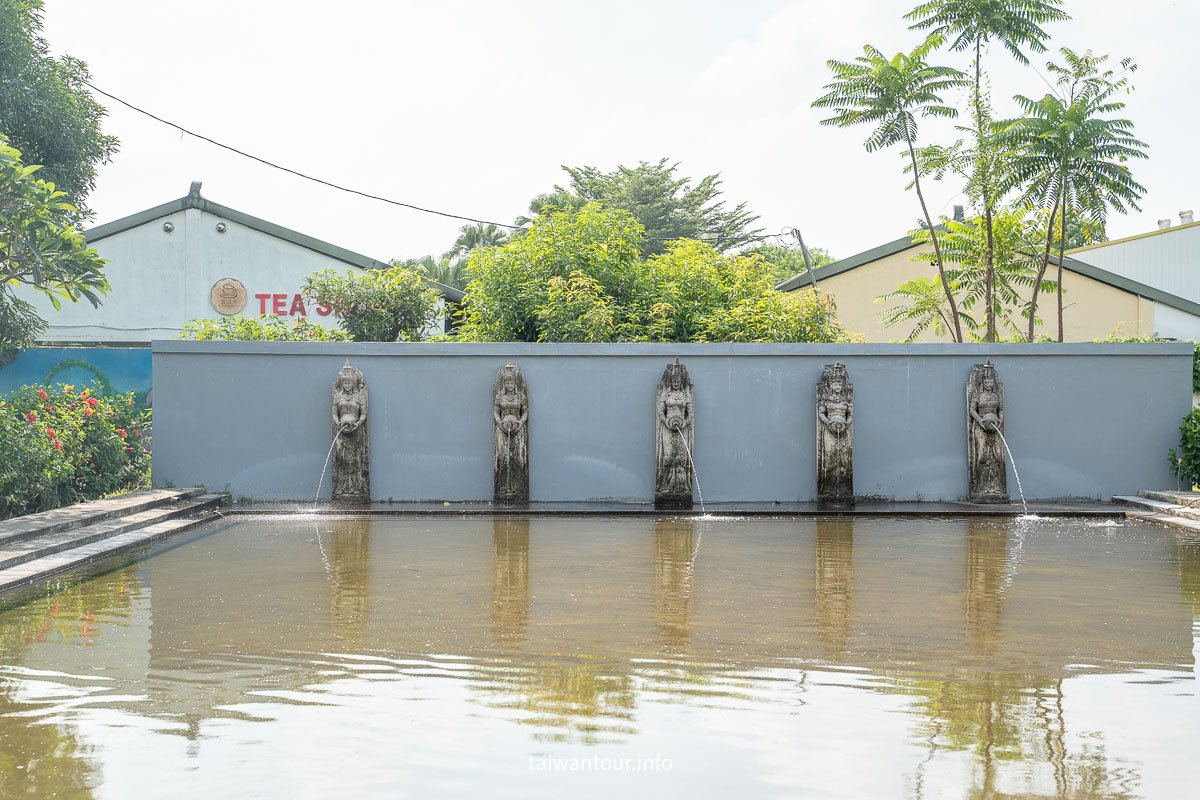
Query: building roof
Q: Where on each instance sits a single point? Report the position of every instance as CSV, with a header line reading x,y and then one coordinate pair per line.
x,y
1072,264
1158,232
193,199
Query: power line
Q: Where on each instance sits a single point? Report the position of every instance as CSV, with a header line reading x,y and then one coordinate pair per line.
x,y
368,195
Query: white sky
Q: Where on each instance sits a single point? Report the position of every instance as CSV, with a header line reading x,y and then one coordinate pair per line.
x,y
471,107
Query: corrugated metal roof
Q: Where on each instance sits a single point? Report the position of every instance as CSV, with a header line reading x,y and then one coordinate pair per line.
x,y
1167,259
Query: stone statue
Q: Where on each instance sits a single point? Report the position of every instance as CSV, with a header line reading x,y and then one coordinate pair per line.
x,y
351,454
835,436
674,412
510,451
985,447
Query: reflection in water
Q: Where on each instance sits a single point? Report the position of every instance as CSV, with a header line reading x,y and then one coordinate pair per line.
x,y
924,652
674,575
38,761
510,576
987,557
349,560
834,567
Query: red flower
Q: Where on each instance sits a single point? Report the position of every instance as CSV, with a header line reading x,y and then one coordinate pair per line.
x,y
122,432
89,412
50,432
42,393
58,444
91,401
31,416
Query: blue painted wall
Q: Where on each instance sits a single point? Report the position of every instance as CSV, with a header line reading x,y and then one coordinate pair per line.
x,y
123,369
1083,420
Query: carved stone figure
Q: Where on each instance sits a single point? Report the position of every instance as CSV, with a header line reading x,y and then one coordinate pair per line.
x,y
351,454
985,425
674,412
835,436
510,451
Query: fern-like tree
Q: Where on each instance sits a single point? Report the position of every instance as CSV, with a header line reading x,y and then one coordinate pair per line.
x,y
1072,154
890,94
970,25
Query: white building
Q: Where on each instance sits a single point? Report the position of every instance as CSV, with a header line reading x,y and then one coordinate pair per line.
x,y
1167,259
192,259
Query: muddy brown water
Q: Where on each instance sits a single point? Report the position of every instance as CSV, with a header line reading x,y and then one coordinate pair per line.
x,y
300,657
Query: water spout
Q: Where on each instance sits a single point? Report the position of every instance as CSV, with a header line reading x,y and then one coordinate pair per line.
x,y
695,475
328,455
1016,474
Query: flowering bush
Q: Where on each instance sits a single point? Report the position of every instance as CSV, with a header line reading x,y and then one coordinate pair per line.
x,y
59,446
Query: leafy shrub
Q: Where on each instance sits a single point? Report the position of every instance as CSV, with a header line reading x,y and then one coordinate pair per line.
x,y
265,328
1186,463
58,447
394,305
577,276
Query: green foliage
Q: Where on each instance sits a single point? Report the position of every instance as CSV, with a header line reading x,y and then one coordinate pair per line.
x,y
512,282
1186,462
58,447
890,94
1014,23
264,328
667,206
40,247
921,303
1069,155
786,262
45,108
965,245
20,325
394,305
576,276
450,268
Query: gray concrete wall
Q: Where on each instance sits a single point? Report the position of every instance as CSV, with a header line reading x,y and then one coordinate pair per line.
x,y
1083,420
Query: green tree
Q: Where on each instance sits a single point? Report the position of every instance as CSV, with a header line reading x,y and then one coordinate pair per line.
x,y
40,247
577,276
510,283
787,262
991,266
669,207
890,94
969,25
45,107
394,305
264,328
1070,155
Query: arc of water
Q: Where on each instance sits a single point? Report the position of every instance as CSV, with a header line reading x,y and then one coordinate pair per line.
x,y
328,455
1016,474
695,475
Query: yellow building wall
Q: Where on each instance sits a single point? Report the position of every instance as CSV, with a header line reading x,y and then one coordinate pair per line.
x,y
1091,309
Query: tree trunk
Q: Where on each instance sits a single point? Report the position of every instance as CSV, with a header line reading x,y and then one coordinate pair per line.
x,y
1042,272
989,274
937,250
1062,245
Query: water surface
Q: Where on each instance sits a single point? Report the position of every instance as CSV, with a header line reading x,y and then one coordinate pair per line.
x,y
869,658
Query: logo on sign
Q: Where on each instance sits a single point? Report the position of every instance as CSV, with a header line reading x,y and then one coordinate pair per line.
x,y
228,296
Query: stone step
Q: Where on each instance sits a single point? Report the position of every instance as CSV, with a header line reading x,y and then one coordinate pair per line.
x,y
63,519
13,553
75,557
1178,498
1152,506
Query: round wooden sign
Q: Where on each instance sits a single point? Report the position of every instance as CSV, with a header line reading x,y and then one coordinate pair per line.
x,y
228,296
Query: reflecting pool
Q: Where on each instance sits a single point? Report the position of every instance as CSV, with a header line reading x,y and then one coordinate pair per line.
x,y
300,657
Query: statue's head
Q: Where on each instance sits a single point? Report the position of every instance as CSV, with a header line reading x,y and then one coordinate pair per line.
x,y
837,386
510,385
348,380
508,380
989,383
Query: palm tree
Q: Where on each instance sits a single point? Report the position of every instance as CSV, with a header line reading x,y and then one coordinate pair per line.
x,y
477,235
1071,158
974,23
891,94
